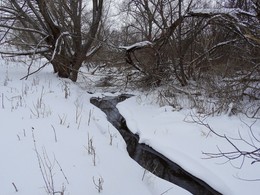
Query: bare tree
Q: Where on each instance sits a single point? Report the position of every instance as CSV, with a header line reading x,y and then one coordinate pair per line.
x,y
162,24
177,30
64,32
230,57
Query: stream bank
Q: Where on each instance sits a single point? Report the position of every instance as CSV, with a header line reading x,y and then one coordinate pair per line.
x,y
146,156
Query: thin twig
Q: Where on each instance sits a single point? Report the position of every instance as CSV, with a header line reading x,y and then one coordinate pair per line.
x,y
16,190
55,136
29,74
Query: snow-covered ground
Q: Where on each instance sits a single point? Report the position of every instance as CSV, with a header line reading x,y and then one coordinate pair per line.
x,y
176,135
53,139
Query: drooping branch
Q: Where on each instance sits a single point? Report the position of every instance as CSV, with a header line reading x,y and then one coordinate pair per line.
x,y
208,13
231,16
130,53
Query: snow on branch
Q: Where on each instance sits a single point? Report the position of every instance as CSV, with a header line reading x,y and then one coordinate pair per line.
x,y
137,45
23,53
57,44
223,11
93,50
129,55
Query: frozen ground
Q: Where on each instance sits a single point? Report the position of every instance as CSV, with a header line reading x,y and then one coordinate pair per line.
x,y
52,139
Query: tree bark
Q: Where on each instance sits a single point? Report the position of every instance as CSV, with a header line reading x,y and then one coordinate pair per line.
x,y
61,66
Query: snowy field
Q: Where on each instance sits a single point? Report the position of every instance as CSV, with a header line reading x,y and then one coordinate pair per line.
x,y
53,141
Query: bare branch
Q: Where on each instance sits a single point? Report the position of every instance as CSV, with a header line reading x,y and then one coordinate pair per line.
x,y
237,153
25,53
31,73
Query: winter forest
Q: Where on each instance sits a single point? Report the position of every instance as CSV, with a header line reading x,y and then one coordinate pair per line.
x,y
130,97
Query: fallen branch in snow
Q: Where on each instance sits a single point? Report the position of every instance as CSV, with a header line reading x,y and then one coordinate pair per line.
x,y
250,180
165,192
237,153
223,11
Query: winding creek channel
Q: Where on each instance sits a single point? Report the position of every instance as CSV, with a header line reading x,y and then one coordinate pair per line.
x,y
146,156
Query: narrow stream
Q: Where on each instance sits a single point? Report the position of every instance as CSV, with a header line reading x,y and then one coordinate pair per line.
x,y
146,156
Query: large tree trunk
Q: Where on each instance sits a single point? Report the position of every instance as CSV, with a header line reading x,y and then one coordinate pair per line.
x,y
74,73
76,64
61,66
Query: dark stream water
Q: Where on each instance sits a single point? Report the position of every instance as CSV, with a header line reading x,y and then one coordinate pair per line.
x,y
146,156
